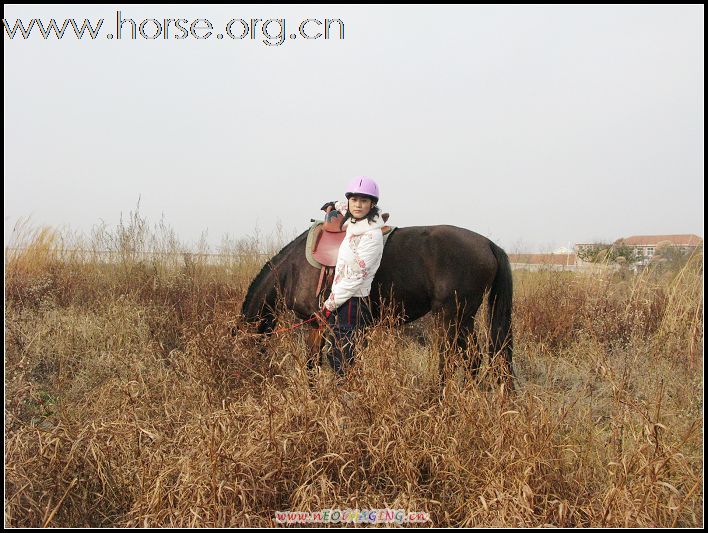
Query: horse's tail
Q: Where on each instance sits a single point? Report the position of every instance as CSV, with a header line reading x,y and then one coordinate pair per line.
x,y
500,303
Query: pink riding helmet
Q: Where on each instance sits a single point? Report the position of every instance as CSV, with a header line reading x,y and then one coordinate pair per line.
x,y
364,186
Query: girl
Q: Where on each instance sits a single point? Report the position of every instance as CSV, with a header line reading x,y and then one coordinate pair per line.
x,y
348,307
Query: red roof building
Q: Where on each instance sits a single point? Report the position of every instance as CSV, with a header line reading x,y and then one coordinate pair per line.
x,y
645,246
652,240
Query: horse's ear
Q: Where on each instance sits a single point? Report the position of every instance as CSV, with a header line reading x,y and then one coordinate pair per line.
x,y
385,217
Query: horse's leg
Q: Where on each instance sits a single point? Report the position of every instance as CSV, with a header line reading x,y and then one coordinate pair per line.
x,y
471,351
457,316
472,355
441,322
315,343
446,315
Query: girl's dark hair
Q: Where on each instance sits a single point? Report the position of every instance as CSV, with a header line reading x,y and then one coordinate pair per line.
x,y
373,213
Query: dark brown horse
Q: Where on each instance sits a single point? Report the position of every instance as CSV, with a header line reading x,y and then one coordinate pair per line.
x,y
443,269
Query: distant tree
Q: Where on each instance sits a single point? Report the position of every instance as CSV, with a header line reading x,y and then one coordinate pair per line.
x,y
671,257
594,253
619,249
601,252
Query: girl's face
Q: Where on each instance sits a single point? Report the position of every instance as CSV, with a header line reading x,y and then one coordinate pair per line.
x,y
359,206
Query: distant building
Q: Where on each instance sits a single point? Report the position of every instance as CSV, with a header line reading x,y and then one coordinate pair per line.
x,y
645,245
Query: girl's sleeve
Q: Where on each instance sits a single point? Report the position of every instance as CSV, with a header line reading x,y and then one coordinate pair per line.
x,y
368,257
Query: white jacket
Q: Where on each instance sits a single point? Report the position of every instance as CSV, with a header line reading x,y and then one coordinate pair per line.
x,y
358,259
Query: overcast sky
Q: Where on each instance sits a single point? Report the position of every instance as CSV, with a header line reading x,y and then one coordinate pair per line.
x,y
536,126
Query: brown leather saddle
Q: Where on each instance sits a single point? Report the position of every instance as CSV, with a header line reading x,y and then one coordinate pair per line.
x,y
323,243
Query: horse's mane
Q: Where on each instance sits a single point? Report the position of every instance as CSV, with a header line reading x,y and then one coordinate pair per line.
x,y
269,266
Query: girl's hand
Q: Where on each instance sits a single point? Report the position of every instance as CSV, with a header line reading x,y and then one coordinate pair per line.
x,y
328,306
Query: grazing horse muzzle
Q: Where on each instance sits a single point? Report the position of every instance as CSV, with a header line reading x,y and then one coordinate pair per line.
x,y
241,326
238,325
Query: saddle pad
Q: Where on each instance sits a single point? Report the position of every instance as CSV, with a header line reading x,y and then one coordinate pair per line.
x,y
312,237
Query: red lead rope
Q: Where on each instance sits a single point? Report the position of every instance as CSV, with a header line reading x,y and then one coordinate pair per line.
x,y
317,316
293,327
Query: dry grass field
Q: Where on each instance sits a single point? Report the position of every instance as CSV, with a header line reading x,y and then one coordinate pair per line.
x,y
128,401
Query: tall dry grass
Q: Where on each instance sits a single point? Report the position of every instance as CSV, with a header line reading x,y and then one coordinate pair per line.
x,y
130,403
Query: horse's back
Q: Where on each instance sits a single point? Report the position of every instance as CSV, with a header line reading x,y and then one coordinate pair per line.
x,y
445,241
432,262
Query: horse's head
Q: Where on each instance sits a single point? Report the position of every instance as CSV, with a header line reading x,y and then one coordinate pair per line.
x,y
245,334
251,333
